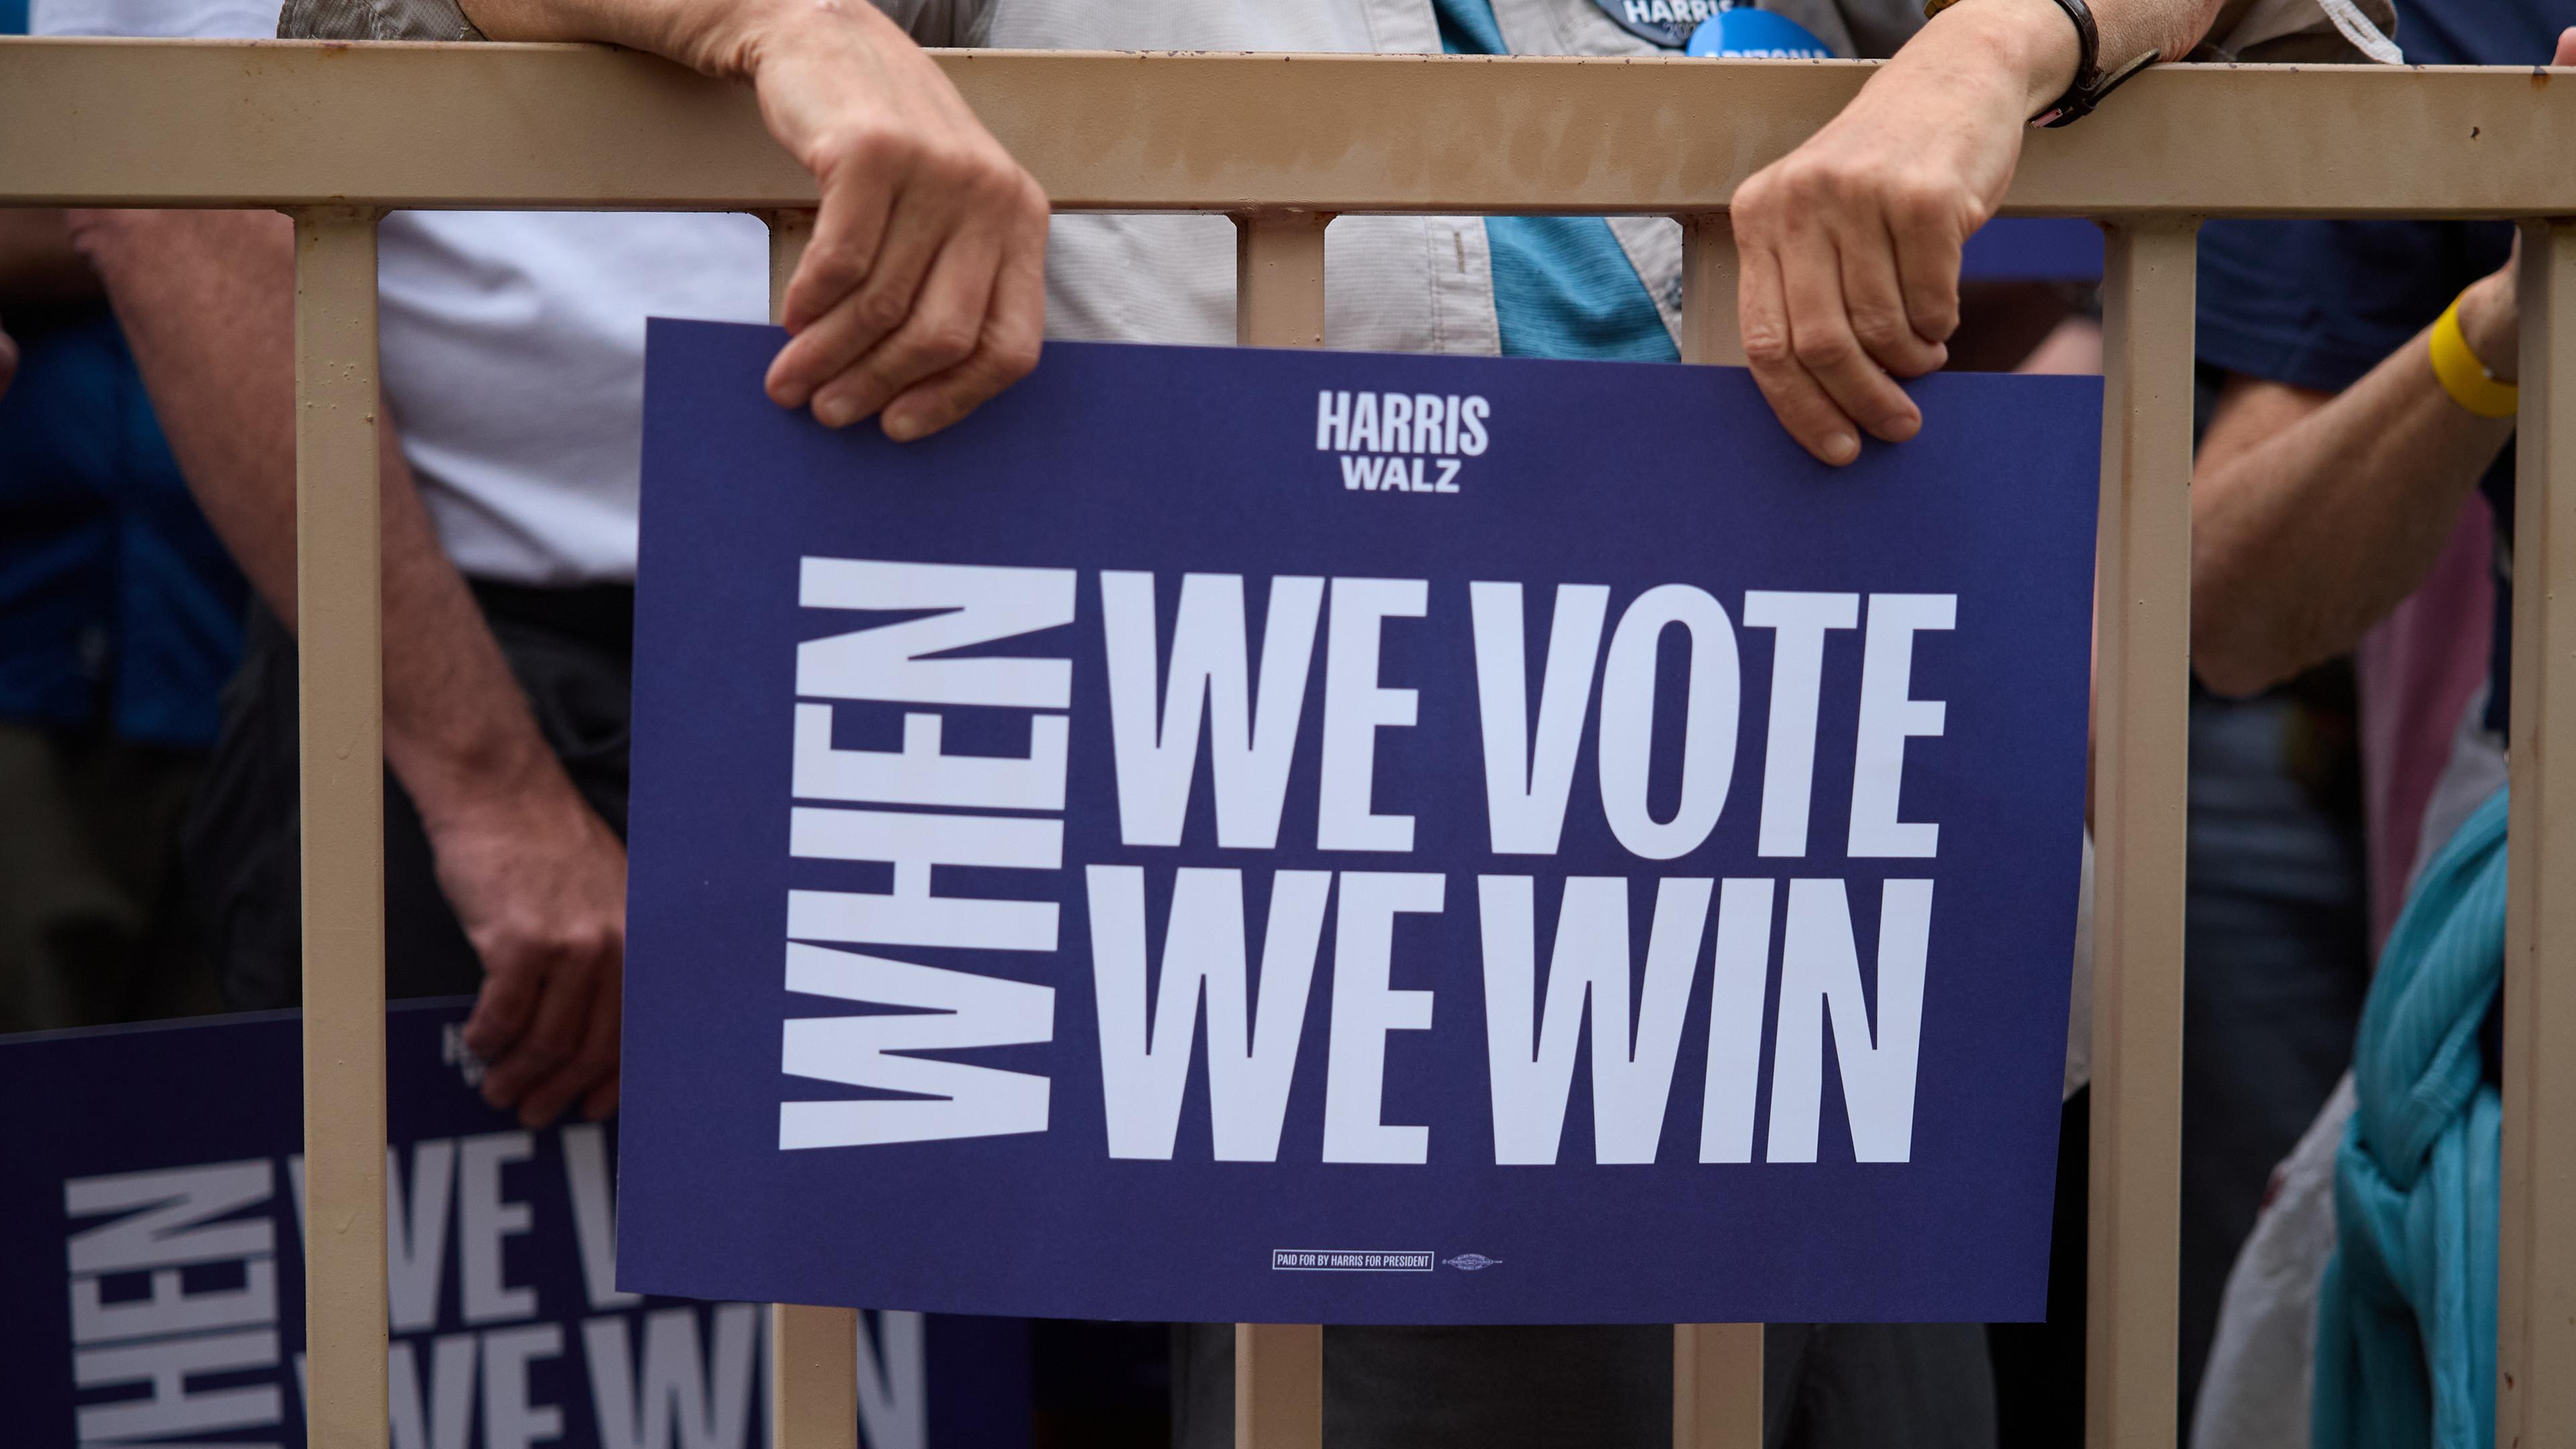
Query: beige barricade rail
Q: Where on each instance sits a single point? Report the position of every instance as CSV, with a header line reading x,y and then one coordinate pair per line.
x,y
337,134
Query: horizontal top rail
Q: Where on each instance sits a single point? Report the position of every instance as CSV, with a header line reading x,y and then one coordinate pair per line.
x,y
291,123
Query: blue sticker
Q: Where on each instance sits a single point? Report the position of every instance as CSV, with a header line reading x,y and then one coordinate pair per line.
x,y
1668,23
1748,34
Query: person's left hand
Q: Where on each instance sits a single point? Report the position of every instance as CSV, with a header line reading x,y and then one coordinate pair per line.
x,y
1850,244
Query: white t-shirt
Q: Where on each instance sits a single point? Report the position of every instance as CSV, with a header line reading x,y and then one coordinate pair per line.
x,y
512,343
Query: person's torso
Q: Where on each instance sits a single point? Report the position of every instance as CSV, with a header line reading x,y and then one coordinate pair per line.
x,y
513,343
1400,283
513,362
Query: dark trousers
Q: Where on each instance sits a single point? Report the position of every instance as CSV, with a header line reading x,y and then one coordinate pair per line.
x,y
94,922
2276,960
572,651
1824,1386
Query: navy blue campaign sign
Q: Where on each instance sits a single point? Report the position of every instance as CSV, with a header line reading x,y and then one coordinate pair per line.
x,y
1329,837
2034,249
152,1286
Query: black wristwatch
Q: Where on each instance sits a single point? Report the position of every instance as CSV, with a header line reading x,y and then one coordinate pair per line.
x,y
2091,83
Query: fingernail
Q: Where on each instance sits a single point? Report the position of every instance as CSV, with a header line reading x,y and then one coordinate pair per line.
x,y
833,412
1841,448
903,428
1897,430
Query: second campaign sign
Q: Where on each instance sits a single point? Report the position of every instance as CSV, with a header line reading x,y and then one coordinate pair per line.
x,y
1331,837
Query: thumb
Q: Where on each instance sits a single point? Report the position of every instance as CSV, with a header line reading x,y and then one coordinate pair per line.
x,y
2565,54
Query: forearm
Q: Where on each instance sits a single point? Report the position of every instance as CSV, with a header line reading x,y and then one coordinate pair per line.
x,y
2131,28
2304,539
38,265
719,37
207,303
2027,51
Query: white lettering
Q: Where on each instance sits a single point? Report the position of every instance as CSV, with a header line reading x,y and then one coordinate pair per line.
x,y
1332,421
978,605
1740,970
442,1415
921,774
1365,1009
484,1218
176,1225
165,1366
672,1402
510,1419
1799,622
1250,1055
1250,747
953,1099
416,1236
1471,419
1355,709
1628,721
1887,718
894,1405
1395,421
1820,974
911,915
1528,779
168,1307
594,1214
1632,1075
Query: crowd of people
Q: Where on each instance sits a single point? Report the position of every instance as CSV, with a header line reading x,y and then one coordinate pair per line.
x,y
2352,528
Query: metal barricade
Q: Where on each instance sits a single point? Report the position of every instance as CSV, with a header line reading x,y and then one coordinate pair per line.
x,y
337,134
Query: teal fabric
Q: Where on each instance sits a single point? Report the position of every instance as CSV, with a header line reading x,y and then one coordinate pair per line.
x,y
2406,1315
1562,286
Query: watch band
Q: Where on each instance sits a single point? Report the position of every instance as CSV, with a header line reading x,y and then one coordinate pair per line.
x,y
2091,84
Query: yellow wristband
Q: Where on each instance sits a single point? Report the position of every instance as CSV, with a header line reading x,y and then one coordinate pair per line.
x,y
2464,377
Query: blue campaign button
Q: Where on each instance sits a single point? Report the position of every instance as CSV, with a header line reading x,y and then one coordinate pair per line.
x,y
1668,23
1749,34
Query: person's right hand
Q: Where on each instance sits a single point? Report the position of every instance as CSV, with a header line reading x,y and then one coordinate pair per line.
x,y
923,290
539,882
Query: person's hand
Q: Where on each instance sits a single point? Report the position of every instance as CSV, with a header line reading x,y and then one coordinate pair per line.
x,y
539,882
1850,244
2490,322
923,290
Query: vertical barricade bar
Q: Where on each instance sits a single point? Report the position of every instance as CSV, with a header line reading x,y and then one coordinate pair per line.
x,y
1279,302
341,776
2536,1294
2141,715
1717,1367
1279,278
1710,332
813,1377
813,1352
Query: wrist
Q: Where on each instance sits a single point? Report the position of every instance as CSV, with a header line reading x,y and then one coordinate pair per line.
x,y
501,771
2488,325
737,41
2028,48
